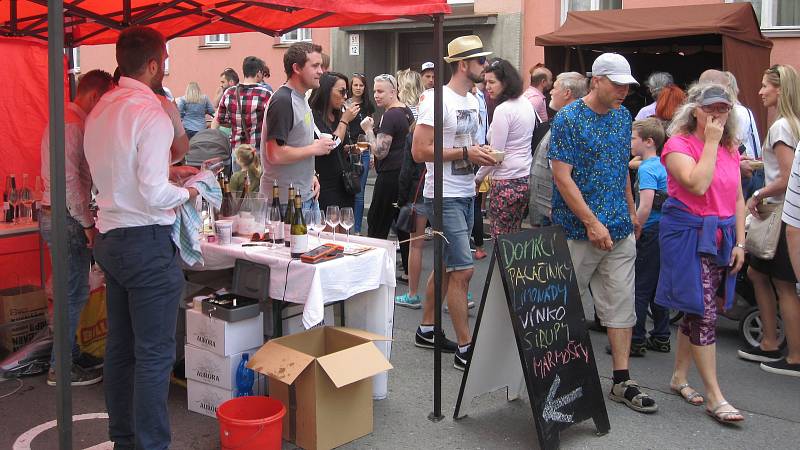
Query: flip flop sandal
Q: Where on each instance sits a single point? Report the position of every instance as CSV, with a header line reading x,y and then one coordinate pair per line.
x,y
688,397
724,417
636,403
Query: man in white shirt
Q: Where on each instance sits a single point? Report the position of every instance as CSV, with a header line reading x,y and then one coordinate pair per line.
x,y
127,143
461,150
80,222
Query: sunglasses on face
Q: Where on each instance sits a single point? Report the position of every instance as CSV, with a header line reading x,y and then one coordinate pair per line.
x,y
342,92
720,109
481,60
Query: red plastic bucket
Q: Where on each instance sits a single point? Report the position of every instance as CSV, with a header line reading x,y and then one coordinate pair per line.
x,y
251,423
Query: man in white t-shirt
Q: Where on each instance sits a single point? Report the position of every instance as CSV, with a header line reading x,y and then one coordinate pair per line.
x,y
461,150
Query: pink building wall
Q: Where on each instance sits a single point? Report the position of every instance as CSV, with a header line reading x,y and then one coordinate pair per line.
x,y
191,61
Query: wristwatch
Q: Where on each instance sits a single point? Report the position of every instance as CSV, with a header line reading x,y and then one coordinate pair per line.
x,y
466,154
741,246
757,194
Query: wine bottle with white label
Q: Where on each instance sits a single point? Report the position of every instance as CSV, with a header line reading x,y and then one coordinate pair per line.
x,y
299,232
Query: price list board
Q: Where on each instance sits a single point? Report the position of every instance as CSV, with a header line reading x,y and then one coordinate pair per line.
x,y
532,292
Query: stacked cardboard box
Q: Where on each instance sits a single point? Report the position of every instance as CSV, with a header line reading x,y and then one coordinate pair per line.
x,y
23,313
214,349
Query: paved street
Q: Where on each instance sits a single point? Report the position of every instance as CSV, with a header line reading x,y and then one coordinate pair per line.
x,y
770,403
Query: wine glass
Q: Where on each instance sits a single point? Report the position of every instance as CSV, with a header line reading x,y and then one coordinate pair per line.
x,y
332,218
314,222
347,220
276,224
362,144
26,197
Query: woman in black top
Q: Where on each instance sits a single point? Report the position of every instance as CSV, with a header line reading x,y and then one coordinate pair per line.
x,y
326,104
360,95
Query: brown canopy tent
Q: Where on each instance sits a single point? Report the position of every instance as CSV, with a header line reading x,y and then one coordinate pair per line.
x,y
681,40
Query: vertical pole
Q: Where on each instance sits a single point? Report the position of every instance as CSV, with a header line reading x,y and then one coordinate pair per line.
x,y
438,111
63,349
73,83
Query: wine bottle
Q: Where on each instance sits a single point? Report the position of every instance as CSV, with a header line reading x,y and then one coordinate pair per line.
x,y
289,214
276,203
13,199
299,232
226,209
6,205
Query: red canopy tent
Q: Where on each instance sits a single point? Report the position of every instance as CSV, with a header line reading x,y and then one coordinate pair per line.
x,y
69,23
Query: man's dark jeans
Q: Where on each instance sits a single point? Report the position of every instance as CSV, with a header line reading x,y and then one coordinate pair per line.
x,y
144,283
648,265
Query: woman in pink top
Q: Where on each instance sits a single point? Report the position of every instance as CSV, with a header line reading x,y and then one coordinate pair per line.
x,y
510,132
702,235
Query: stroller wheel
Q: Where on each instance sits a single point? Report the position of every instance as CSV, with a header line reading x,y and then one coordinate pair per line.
x,y
750,328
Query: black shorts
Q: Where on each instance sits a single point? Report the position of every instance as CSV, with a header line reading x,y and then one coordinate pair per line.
x,y
779,267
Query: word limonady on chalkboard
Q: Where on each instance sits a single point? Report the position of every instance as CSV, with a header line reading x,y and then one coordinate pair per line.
x,y
544,308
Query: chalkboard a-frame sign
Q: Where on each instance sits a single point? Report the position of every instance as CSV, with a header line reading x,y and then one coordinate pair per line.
x,y
541,326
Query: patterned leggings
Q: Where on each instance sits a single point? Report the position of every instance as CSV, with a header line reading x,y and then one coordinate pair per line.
x,y
701,330
508,203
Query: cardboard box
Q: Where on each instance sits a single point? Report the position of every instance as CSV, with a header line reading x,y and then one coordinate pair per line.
x,y
223,338
323,377
23,313
210,368
22,302
205,399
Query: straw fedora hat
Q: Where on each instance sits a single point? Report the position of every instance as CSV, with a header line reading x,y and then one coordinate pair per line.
x,y
465,47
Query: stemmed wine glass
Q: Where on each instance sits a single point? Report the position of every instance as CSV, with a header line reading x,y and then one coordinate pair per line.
x,y
332,218
315,220
347,220
275,224
26,198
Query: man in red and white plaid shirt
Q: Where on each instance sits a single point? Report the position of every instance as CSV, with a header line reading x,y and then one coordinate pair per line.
x,y
243,105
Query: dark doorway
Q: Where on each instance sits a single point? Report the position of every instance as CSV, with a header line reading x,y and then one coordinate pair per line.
x,y
417,48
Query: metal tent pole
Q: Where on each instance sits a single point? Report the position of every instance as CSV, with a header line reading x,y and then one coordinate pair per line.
x,y
438,110
58,249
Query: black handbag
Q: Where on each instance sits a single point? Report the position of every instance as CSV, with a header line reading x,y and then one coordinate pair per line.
x,y
407,216
351,174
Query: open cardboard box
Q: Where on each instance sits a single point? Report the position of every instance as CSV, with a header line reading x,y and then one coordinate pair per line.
x,y
323,377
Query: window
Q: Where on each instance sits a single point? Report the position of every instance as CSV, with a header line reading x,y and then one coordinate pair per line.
x,y
587,5
775,14
217,40
300,34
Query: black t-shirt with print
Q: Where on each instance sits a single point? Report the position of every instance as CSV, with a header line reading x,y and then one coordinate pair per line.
x,y
396,123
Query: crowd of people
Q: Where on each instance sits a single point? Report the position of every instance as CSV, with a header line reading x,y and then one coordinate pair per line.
x,y
645,205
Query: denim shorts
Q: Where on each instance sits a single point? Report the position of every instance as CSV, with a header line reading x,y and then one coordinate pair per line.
x,y
457,220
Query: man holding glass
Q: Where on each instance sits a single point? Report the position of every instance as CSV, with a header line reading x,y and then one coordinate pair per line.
x,y
460,124
127,144
288,146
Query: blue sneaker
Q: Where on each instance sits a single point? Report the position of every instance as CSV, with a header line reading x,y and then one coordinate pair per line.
x,y
408,301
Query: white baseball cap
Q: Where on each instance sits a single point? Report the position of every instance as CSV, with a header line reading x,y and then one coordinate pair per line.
x,y
427,66
615,67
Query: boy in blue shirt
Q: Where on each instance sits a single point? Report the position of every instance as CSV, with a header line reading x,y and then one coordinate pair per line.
x,y
647,140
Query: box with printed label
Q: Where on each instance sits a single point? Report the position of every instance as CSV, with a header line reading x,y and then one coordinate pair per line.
x,y
223,338
210,368
23,311
204,398
324,378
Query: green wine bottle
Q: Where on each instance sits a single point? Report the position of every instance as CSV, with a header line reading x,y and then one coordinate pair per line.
x,y
289,214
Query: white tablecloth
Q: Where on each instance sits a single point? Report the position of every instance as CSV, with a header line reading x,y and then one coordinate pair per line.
x,y
366,281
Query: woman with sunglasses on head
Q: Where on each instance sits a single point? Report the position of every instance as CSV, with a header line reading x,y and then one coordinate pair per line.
x,y
359,95
510,132
701,235
327,104
780,89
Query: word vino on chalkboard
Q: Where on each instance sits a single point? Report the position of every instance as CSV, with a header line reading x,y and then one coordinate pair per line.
x,y
547,338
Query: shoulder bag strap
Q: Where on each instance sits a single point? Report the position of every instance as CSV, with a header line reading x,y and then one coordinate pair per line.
x,y
419,183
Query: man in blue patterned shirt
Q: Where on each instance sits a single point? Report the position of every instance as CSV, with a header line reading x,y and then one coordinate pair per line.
x,y
589,150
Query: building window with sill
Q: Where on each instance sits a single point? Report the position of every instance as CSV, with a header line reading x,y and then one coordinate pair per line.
x,y
298,35
587,5
217,40
775,14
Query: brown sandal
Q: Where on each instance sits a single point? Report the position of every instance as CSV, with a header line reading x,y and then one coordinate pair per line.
x,y
690,397
725,417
